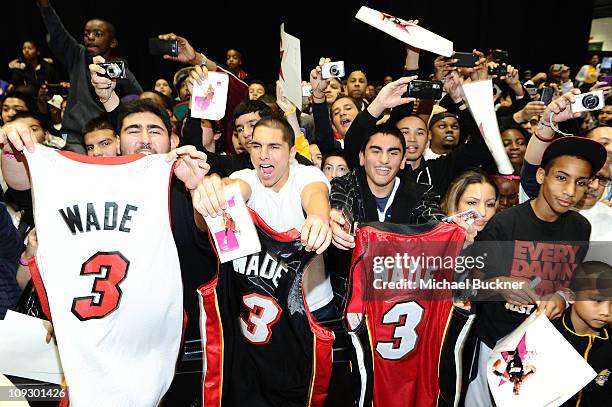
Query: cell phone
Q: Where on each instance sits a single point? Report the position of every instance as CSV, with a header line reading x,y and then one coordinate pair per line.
x,y
424,89
499,55
531,90
500,70
56,89
469,216
547,95
349,221
114,69
465,59
163,47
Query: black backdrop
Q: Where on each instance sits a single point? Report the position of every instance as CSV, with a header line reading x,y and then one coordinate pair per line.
x,y
536,33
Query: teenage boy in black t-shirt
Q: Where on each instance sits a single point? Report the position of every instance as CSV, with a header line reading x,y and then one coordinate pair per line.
x,y
539,244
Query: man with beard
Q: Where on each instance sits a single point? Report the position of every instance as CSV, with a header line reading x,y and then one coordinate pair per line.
x,y
145,128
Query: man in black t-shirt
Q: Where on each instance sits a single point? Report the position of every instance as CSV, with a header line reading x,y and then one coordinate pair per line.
x,y
537,244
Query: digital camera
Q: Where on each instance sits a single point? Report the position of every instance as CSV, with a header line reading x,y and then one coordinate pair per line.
x,y
424,89
114,69
588,102
332,70
501,70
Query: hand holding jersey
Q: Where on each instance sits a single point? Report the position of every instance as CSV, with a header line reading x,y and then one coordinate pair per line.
x,y
19,135
191,165
190,168
340,238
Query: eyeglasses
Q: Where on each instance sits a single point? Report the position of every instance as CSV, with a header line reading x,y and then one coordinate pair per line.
x,y
603,181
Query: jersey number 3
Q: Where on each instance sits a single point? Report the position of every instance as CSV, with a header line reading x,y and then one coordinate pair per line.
x,y
112,268
406,316
263,313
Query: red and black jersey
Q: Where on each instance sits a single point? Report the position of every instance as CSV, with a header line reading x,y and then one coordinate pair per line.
x,y
262,347
398,310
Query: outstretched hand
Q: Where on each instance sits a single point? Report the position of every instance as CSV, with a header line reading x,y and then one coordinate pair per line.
x,y
391,95
186,53
317,83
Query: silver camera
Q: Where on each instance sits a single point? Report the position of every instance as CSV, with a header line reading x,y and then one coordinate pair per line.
x,y
332,70
588,102
114,69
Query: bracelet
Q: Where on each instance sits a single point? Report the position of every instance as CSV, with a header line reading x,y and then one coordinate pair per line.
x,y
22,260
290,111
204,59
459,104
555,129
543,140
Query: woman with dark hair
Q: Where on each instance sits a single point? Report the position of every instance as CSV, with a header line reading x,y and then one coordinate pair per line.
x,y
473,189
515,139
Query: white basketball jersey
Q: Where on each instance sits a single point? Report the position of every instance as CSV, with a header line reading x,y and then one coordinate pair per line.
x,y
108,273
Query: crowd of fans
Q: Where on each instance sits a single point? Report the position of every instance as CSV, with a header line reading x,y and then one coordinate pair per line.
x,y
358,143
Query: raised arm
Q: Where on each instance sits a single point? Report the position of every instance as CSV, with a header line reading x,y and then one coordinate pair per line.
x,y
64,46
324,134
301,144
561,111
390,96
238,91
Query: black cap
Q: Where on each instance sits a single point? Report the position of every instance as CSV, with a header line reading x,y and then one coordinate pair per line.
x,y
439,116
589,150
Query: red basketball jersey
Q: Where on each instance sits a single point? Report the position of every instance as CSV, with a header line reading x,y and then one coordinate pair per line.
x,y
398,308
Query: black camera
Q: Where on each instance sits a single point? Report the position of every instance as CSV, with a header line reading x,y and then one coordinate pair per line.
x,y
465,59
499,55
163,47
114,69
424,89
501,70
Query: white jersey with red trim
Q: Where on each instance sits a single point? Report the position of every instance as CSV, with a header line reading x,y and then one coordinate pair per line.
x,y
108,274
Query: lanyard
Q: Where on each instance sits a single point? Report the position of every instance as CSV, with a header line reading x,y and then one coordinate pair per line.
x,y
382,214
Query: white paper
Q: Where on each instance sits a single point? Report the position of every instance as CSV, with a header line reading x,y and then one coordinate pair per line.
x,y
234,233
552,370
290,75
24,351
406,32
209,99
479,97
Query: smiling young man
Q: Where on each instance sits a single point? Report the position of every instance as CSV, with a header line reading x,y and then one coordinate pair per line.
x,y
378,191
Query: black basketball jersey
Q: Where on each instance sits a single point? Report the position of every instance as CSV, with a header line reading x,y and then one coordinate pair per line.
x,y
262,346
